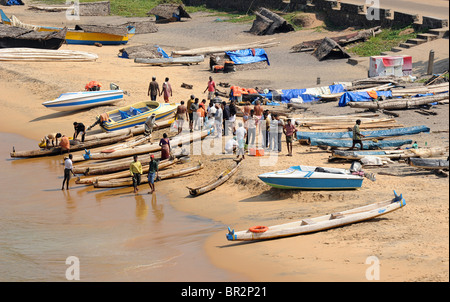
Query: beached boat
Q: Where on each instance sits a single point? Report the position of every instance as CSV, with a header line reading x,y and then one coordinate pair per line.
x,y
170,61
86,99
127,182
76,147
16,37
321,223
429,163
214,182
341,143
45,55
137,113
311,177
177,140
82,34
123,174
375,134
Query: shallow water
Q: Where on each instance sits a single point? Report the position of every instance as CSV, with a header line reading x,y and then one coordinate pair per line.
x,y
115,234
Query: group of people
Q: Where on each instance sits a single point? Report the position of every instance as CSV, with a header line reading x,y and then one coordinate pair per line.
x,y
154,91
51,140
136,172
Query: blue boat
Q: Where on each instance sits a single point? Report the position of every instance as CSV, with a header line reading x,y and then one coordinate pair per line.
x,y
306,135
312,178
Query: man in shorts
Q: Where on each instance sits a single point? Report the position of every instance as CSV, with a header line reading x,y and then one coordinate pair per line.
x,y
211,88
357,135
152,173
181,115
289,130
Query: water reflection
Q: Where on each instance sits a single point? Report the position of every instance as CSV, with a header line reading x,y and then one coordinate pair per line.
x,y
157,209
141,207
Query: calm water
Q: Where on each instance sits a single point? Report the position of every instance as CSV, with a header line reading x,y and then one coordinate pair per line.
x,y
116,235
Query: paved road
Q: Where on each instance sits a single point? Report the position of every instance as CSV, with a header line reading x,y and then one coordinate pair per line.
x,y
429,8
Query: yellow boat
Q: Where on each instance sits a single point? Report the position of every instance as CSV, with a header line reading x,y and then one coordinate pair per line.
x,y
137,113
82,34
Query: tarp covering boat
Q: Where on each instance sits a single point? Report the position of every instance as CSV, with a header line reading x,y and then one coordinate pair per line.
x,y
14,37
247,56
306,94
306,135
366,144
362,96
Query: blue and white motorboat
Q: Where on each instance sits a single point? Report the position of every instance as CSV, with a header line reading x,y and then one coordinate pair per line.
x,y
85,99
312,178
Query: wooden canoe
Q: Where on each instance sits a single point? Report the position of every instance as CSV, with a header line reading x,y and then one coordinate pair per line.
x,y
80,146
215,182
401,103
171,61
122,174
142,149
325,222
127,182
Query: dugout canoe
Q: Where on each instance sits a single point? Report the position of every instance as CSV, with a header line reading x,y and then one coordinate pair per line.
x,y
401,103
127,182
141,149
321,223
171,61
122,174
214,182
429,163
77,147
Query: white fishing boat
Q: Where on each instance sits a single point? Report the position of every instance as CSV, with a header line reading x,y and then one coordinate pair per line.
x,y
325,222
85,99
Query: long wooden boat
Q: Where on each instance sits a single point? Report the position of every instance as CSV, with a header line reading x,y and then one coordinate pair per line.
x,y
341,143
137,113
16,37
86,99
127,182
170,61
214,182
429,163
122,174
82,34
45,55
77,147
321,223
401,103
141,149
311,177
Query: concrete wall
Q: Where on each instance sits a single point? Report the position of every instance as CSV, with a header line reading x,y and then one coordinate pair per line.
x,y
337,12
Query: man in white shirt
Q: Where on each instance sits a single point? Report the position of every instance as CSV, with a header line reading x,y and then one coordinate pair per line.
x,y
218,119
68,168
241,134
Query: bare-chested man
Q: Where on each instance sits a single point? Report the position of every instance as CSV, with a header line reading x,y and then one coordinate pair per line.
x,y
181,115
246,111
258,112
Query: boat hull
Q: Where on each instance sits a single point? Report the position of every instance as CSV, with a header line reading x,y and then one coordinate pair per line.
x,y
306,178
162,111
82,100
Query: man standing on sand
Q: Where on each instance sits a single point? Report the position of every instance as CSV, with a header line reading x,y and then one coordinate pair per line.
x,y
136,172
166,90
181,115
152,173
68,168
289,130
153,89
357,135
211,89
241,134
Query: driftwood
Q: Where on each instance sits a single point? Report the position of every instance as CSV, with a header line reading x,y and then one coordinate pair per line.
x,y
214,182
400,104
187,86
219,49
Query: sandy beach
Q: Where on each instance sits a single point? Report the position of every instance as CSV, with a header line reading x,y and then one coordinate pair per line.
x,y
412,243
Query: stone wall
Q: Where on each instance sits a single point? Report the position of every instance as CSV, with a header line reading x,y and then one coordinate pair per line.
x,y
337,12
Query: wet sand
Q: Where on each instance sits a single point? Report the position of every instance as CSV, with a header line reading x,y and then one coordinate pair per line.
x,y
412,243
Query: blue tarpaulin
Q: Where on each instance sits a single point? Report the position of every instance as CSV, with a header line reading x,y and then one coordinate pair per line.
x,y
306,135
288,94
247,56
14,2
360,96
